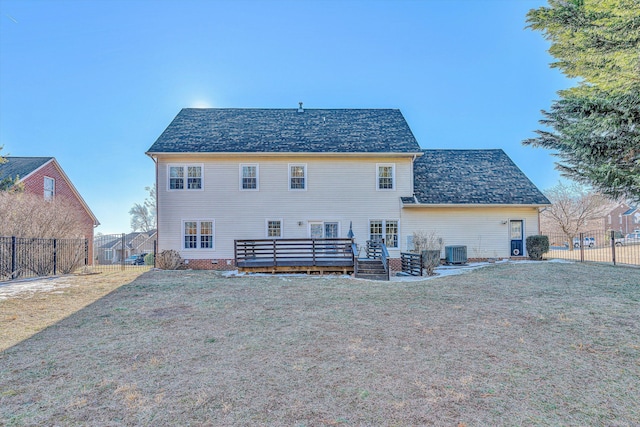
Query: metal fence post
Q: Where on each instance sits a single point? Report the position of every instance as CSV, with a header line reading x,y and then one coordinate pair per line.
x,y
155,250
122,252
13,257
86,253
55,256
581,247
613,246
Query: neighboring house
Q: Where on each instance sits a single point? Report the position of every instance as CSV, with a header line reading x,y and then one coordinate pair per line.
x,y
114,248
623,218
44,177
226,174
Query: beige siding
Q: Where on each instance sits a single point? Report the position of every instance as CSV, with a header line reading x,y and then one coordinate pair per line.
x,y
485,231
339,190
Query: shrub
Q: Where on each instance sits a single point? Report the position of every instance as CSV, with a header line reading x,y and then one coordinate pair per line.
x,y
168,260
148,259
537,246
429,244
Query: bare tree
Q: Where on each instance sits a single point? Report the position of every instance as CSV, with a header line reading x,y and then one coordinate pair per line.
x,y
29,215
143,216
573,206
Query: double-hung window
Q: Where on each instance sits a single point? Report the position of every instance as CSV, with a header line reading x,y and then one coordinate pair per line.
x,y
297,177
274,228
386,230
386,176
185,177
49,188
198,234
249,177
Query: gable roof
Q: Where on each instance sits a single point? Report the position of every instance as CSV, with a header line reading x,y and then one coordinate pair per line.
x,y
233,130
449,177
25,166
629,212
21,166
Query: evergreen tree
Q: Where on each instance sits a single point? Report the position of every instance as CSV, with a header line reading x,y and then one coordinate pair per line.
x,y
595,126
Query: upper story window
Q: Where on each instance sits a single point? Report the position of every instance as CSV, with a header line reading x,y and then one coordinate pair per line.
x,y
386,176
249,177
297,177
49,188
185,177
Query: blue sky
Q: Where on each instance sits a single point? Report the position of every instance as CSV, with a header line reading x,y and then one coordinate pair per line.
x,y
94,83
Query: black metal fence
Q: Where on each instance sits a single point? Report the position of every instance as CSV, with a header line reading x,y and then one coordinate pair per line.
x,y
595,246
32,257
120,251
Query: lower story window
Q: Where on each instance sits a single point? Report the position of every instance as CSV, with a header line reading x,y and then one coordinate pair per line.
x,y
386,230
274,228
198,234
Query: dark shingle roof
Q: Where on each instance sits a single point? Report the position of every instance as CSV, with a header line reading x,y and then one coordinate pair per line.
x,y
231,130
629,212
472,177
21,166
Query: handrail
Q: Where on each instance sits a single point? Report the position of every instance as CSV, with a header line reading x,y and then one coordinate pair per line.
x,y
376,249
385,260
354,252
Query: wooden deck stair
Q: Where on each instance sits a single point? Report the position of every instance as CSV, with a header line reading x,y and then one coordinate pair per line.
x,y
371,269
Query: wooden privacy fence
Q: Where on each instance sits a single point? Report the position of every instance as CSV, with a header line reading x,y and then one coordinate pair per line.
x,y
34,257
280,255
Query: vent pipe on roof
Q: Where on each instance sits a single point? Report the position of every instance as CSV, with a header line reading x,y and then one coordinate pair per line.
x,y
300,109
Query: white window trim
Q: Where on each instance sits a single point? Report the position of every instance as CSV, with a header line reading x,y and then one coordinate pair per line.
x,y
393,176
198,228
310,222
384,231
185,166
266,228
306,177
257,177
53,190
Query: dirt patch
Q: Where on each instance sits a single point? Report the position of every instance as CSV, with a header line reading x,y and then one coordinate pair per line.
x,y
509,344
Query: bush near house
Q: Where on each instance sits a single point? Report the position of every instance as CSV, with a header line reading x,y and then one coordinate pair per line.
x,y
537,246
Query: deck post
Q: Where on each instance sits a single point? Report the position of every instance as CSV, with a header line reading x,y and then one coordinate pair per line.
x,y
275,254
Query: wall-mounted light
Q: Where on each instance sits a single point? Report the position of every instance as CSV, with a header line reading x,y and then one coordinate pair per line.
x,y
503,222
300,223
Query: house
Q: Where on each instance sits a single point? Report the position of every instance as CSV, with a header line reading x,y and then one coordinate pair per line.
x,y
43,176
230,174
114,248
623,218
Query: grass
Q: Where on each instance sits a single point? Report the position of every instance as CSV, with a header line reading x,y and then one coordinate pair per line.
x,y
29,312
511,344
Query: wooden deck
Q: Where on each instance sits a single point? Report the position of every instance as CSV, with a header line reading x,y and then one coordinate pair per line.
x,y
295,255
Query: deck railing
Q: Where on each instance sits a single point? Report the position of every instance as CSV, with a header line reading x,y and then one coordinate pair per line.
x,y
294,253
376,249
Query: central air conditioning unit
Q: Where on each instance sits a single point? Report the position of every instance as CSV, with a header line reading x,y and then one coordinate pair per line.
x,y
455,254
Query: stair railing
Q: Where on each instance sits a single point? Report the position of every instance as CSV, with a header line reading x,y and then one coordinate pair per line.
x,y
376,249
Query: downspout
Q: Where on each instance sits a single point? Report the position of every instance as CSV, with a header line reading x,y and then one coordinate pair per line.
x,y
155,161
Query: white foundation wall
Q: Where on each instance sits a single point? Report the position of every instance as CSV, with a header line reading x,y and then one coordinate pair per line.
x,y
339,189
485,231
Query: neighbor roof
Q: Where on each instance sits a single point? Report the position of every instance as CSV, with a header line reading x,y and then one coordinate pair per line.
x,y
629,212
472,177
21,166
230,130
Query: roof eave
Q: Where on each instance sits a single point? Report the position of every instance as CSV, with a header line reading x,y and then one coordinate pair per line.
x,y
475,205
412,154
